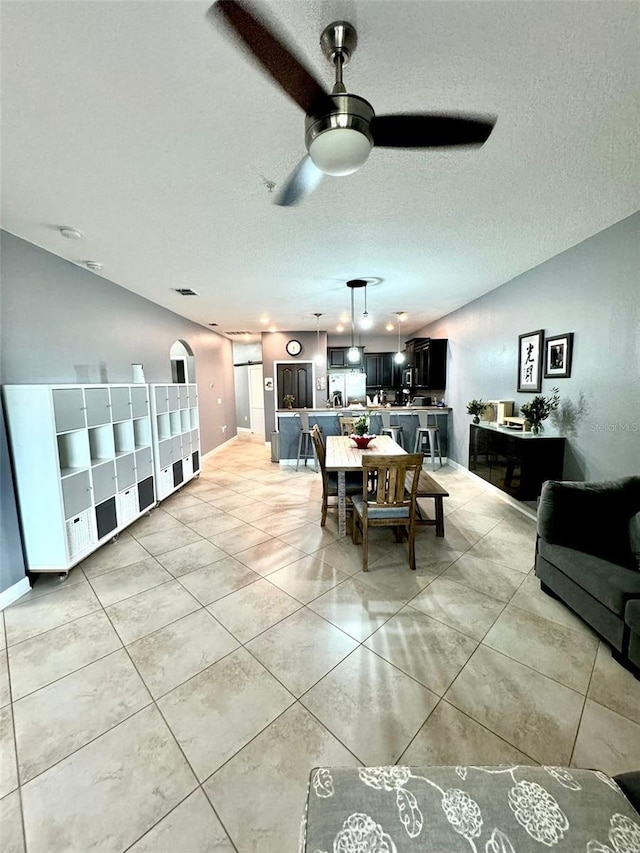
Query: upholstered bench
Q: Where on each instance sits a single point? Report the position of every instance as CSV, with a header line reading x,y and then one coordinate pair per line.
x,y
505,809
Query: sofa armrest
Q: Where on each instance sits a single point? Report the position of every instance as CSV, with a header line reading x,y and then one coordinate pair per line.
x,y
591,517
630,784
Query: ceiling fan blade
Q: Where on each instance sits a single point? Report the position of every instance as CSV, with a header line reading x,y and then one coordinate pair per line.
x,y
301,182
277,60
430,130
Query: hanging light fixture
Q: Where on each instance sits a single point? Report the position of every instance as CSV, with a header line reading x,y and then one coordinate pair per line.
x,y
399,356
353,355
366,322
318,357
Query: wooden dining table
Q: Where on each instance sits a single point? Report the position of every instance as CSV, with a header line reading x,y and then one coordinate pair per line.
x,y
344,457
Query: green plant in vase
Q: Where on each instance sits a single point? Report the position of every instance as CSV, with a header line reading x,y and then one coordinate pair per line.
x,y
361,426
539,409
476,408
289,400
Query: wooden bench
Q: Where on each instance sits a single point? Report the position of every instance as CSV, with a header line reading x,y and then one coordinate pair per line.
x,y
428,488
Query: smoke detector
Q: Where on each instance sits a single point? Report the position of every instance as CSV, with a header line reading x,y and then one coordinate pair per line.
x,y
70,233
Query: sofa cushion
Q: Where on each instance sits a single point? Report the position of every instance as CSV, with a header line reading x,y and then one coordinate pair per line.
x,y
607,582
634,535
591,517
445,809
632,615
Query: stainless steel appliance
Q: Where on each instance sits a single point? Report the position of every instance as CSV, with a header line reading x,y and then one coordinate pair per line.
x,y
409,376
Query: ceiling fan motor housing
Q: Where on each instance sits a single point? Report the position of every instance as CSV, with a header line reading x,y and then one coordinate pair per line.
x,y
340,153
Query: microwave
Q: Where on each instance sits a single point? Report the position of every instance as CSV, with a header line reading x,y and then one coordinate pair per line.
x,y
409,376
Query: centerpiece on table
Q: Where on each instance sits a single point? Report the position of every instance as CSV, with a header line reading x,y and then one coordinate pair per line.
x,y
361,434
539,409
476,408
289,400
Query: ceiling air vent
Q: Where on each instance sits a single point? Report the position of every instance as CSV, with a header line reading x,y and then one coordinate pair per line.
x,y
185,291
237,333
212,324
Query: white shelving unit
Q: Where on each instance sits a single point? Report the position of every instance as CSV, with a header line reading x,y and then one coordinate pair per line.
x,y
176,435
83,466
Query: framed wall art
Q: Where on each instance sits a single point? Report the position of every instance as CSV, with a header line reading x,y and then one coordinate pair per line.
x,y
530,355
558,352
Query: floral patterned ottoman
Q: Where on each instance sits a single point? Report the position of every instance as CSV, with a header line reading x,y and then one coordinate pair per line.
x,y
505,809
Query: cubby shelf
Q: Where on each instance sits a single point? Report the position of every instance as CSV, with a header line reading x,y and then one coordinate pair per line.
x,y
176,437
76,488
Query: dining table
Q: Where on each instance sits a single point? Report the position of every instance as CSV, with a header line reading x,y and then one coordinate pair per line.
x,y
342,457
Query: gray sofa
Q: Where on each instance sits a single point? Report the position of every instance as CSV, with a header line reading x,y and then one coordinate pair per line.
x,y
587,555
504,809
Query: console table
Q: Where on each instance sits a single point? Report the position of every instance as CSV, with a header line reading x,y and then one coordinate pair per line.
x,y
518,463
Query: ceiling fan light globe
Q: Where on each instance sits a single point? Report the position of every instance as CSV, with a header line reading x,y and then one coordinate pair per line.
x,y
340,151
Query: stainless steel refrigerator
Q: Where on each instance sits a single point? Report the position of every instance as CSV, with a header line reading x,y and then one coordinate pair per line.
x,y
347,386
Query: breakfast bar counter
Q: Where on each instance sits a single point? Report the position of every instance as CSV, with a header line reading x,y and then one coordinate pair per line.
x,y
288,424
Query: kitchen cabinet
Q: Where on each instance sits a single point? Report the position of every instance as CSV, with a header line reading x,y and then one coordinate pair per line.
x,y
517,463
379,369
428,356
338,357
176,436
81,458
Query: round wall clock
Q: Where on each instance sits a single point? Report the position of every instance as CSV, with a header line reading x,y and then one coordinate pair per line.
x,y
294,347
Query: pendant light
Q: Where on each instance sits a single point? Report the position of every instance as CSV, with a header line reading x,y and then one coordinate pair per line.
x,y
399,356
318,357
366,322
353,355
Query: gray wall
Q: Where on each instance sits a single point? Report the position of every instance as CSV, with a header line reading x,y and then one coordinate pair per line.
x,y
11,559
274,349
593,290
61,323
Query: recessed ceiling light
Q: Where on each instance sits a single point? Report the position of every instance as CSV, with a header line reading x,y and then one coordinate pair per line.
x,y
264,320
272,328
389,327
339,328
93,265
70,233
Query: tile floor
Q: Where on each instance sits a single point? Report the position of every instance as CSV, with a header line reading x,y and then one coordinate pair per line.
x,y
175,691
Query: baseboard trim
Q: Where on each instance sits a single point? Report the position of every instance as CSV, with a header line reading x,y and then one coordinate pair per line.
x,y
493,490
219,447
13,593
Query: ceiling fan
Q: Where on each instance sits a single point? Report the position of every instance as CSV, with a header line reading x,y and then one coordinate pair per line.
x,y
340,128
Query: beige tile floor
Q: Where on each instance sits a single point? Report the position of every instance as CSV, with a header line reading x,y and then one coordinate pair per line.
x,y
175,691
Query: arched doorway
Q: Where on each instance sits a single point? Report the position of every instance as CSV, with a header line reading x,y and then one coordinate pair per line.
x,y
183,363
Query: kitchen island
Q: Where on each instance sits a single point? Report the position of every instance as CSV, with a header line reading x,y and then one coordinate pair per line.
x,y
407,416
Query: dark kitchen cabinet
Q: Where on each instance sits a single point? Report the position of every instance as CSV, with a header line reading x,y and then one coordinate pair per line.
x,y
429,358
338,357
379,369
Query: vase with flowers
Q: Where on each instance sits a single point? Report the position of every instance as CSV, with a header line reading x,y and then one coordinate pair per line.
x,y
289,400
539,409
476,408
361,434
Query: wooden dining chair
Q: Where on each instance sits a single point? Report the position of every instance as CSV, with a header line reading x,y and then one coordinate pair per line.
x,y
391,504
346,424
353,483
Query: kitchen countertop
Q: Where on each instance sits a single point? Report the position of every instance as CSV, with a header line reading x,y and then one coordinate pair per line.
x,y
363,410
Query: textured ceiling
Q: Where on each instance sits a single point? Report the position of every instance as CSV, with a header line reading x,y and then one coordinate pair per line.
x,y
142,126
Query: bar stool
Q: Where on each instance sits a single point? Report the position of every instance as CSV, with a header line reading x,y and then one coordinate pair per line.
x,y
394,430
430,431
305,444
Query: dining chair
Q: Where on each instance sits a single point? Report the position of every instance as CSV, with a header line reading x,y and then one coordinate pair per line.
x,y
353,482
346,424
305,445
391,504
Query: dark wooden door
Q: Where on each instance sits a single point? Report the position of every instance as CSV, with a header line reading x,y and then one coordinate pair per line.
x,y
295,379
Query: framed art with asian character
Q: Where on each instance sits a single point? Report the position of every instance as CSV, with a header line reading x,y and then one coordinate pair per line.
x,y
530,357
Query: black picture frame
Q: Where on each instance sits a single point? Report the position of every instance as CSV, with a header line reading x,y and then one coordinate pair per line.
x,y
530,358
558,353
